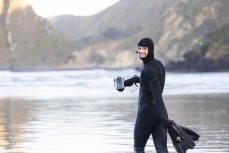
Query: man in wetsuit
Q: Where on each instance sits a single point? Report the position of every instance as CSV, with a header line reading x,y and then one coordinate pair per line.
x,y
152,118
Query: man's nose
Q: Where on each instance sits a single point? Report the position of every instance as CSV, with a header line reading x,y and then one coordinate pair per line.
x,y
140,50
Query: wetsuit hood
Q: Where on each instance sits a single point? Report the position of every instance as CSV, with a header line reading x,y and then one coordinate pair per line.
x,y
147,42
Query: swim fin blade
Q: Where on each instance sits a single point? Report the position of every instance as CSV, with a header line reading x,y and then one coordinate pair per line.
x,y
193,135
180,139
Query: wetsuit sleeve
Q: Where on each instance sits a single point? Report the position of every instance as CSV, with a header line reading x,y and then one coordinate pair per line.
x,y
131,81
155,87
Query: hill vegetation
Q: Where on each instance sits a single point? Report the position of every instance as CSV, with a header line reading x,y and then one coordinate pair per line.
x,y
29,42
210,55
188,33
176,27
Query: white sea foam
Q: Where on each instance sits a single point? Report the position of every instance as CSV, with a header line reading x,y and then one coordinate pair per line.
x,y
99,82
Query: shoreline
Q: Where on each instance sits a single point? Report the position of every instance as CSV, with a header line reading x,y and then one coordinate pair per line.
x,y
70,69
199,95
167,98
100,68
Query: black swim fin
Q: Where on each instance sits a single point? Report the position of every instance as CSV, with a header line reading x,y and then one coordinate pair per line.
x,y
181,141
193,135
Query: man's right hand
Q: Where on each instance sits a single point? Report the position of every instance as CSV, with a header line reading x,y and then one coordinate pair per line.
x,y
131,81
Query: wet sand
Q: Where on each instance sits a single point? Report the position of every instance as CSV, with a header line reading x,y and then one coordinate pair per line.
x,y
206,114
105,125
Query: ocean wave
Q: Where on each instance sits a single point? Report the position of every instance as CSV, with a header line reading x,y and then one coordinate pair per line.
x,y
99,82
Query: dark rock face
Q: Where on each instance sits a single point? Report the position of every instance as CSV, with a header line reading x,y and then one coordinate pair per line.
x,y
195,62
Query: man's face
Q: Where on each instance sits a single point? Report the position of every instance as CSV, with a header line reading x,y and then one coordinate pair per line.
x,y
143,51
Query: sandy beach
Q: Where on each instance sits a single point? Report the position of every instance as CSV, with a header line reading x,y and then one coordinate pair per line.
x,y
105,124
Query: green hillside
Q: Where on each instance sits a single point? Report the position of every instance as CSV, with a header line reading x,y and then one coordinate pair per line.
x,y
212,54
175,26
181,29
29,42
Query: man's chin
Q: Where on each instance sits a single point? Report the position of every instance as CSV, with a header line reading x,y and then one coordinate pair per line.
x,y
141,57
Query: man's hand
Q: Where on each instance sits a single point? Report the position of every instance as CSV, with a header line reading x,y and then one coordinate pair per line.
x,y
131,81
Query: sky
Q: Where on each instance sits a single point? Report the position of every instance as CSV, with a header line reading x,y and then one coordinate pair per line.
x,y
48,8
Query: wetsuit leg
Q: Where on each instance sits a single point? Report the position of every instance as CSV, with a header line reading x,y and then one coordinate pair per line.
x,y
139,150
144,125
160,139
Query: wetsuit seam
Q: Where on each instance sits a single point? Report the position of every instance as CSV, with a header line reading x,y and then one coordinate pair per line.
x,y
143,107
152,81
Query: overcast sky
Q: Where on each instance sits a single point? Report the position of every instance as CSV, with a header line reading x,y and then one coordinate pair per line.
x,y
47,8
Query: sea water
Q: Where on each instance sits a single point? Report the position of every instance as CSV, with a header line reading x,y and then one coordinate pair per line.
x,y
81,112
100,82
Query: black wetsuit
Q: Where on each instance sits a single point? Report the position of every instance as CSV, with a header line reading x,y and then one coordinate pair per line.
x,y
151,108
152,118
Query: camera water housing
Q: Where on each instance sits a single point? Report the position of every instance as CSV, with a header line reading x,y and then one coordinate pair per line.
x,y
119,83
